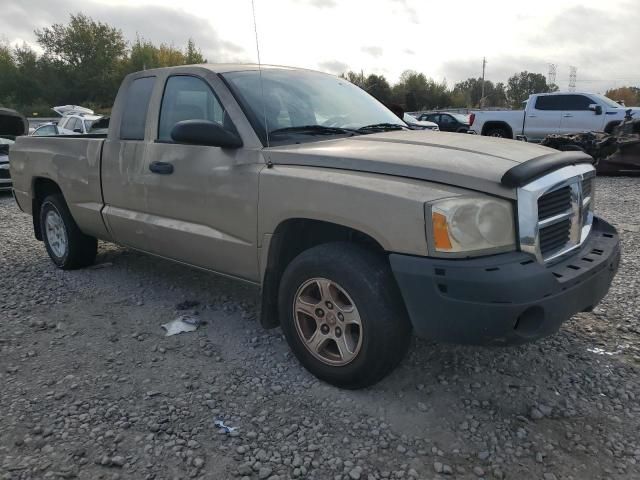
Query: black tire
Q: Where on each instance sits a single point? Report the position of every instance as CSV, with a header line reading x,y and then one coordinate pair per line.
x,y
80,250
498,132
366,277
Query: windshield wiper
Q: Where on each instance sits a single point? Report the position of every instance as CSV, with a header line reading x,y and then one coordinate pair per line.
x,y
312,130
383,127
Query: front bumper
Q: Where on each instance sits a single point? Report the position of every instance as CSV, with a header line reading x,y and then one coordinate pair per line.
x,y
508,298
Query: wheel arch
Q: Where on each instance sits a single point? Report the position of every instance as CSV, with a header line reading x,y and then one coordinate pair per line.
x,y
41,187
497,124
611,125
290,238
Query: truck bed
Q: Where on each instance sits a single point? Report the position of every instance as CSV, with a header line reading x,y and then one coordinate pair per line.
x,y
73,163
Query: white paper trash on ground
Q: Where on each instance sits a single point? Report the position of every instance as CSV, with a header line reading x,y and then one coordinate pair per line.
x,y
183,323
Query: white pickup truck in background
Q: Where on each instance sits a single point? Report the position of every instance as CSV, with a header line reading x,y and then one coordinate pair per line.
x,y
549,113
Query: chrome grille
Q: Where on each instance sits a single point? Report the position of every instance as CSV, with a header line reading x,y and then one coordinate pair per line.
x,y
554,237
554,203
555,212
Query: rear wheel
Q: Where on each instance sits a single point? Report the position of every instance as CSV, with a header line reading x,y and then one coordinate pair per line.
x,y
342,314
67,246
498,132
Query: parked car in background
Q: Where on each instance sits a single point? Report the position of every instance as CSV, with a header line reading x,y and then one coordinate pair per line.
x,y
416,124
46,130
100,127
552,113
12,125
75,121
447,122
357,230
5,176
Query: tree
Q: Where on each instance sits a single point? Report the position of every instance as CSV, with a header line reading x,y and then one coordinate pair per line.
x,y
629,95
87,53
193,55
377,86
355,78
469,93
143,56
27,75
523,84
411,90
8,73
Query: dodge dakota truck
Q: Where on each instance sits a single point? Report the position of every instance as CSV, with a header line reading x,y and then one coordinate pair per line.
x,y
358,230
551,113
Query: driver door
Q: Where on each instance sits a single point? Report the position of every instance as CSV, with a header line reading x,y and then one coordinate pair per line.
x,y
202,208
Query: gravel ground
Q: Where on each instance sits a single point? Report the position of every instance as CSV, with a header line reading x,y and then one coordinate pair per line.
x,y
90,387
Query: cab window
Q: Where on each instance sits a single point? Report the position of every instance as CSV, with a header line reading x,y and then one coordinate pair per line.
x,y
188,98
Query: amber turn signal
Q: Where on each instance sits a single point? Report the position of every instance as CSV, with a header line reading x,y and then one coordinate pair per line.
x,y
441,232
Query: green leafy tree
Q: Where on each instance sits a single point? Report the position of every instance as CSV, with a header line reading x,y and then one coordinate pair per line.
x,y
8,74
355,78
469,94
87,53
27,76
377,86
193,55
523,84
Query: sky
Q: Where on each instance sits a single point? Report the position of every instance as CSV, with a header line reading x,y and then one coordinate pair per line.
x,y
446,40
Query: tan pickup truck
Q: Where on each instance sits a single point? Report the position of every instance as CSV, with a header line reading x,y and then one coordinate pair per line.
x,y
357,229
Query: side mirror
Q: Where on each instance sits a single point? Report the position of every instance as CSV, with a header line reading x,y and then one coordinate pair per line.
x,y
204,132
597,109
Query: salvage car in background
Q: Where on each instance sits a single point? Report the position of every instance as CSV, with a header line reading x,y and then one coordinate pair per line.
x,y
416,124
12,125
616,153
75,120
447,122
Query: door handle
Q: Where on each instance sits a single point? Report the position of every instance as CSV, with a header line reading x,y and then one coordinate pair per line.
x,y
567,115
532,116
162,168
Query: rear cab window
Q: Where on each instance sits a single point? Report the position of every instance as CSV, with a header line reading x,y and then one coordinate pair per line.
x,y
134,116
563,102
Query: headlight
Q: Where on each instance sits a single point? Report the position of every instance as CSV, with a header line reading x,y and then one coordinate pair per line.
x,y
471,225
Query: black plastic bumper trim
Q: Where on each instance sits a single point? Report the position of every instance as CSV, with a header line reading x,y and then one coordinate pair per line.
x,y
507,298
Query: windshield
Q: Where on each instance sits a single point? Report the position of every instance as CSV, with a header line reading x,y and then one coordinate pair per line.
x,y
607,101
300,99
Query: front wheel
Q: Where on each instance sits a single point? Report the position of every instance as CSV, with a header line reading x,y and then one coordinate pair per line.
x,y
67,246
342,314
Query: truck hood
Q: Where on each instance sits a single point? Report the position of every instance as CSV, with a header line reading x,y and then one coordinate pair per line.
x,y
467,161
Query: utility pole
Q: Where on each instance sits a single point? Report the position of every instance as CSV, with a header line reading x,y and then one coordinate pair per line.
x,y
484,65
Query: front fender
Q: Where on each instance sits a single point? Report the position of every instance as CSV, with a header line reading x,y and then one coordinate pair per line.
x,y
388,209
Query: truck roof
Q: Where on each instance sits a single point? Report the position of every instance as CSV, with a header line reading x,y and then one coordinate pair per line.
x,y
232,67
566,92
